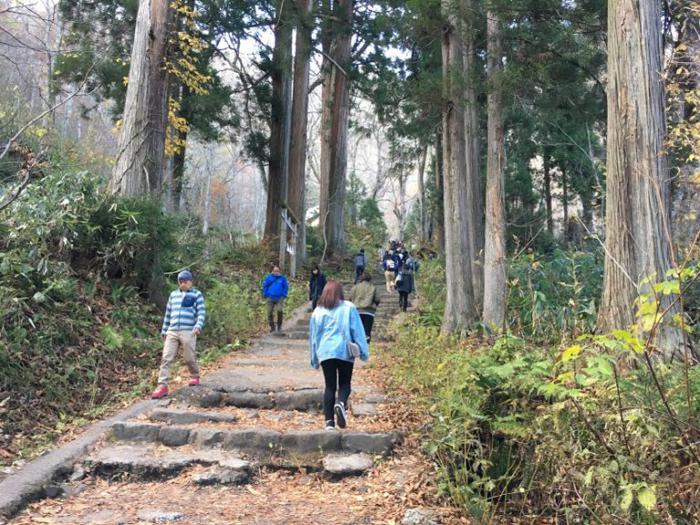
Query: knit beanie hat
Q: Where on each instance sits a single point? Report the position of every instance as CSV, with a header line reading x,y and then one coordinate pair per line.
x,y
184,275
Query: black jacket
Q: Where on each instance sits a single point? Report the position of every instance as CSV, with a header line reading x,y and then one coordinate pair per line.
x,y
405,284
316,284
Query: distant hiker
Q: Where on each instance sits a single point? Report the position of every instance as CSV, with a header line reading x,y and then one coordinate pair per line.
x,y
400,257
365,297
404,284
275,288
317,282
360,264
183,322
336,339
411,264
389,267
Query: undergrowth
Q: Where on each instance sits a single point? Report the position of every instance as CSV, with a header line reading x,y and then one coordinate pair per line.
x,y
78,327
574,429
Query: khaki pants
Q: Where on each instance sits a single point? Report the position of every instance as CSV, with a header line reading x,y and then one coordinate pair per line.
x,y
174,340
275,306
389,275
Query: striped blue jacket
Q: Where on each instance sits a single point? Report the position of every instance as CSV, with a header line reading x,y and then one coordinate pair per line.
x,y
185,311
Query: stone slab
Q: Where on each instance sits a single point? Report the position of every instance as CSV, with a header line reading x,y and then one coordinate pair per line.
x,y
248,400
258,440
420,516
151,461
365,410
174,436
314,441
126,431
370,443
201,396
347,465
159,516
29,483
221,476
302,400
206,437
187,417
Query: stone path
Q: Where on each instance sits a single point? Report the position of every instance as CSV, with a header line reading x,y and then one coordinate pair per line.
x,y
247,446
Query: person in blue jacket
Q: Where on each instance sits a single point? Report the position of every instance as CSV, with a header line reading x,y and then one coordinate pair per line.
x,y
274,289
334,324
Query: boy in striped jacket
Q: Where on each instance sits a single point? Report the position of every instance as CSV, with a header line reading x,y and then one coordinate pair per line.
x,y
184,320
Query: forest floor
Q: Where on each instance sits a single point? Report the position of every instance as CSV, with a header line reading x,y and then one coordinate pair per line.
x,y
249,447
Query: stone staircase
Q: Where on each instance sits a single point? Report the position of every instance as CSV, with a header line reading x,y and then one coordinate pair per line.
x,y
389,306
258,414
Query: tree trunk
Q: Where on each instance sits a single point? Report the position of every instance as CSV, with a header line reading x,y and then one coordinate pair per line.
x,y
565,203
141,145
475,219
300,104
326,116
460,308
279,130
338,105
179,174
178,181
638,238
439,204
422,210
548,189
495,240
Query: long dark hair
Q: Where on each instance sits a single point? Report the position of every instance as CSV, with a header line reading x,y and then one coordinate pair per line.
x,y
332,295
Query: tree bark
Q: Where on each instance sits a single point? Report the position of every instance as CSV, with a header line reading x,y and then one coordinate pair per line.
x,y
460,308
179,174
337,113
548,189
300,104
438,211
141,146
178,180
279,123
494,311
565,203
473,152
638,239
326,116
422,210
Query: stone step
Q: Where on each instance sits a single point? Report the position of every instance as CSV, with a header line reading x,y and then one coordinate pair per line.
x,y
303,400
306,399
258,442
187,417
146,460
341,465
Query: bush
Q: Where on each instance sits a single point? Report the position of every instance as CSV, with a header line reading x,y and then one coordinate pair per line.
x,y
571,434
598,431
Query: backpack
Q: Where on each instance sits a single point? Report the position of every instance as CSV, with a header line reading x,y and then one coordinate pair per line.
x,y
390,264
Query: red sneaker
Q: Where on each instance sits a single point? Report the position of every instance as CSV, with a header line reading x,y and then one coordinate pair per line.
x,y
160,392
194,381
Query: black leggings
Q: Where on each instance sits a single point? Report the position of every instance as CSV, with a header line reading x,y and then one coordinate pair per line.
x,y
403,300
367,323
338,375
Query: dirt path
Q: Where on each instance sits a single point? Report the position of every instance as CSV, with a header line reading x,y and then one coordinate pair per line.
x,y
249,447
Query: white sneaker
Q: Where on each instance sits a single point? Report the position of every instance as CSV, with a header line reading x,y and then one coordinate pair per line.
x,y
340,414
330,426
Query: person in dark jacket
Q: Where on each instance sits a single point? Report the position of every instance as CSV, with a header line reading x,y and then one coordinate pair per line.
x,y
404,285
316,283
274,289
360,264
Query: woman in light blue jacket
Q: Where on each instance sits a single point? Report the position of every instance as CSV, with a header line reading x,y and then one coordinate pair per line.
x,y
334,324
